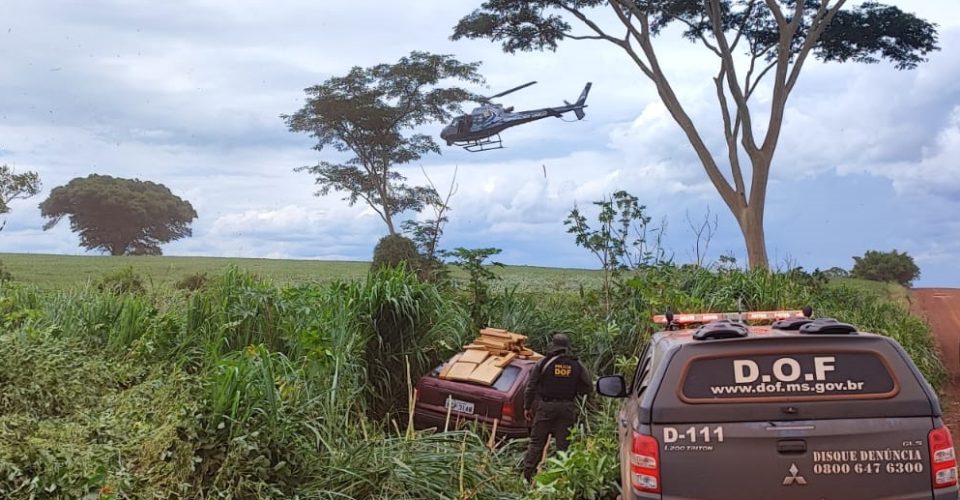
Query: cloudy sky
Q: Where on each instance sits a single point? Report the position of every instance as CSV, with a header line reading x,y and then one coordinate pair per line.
x,y
189,92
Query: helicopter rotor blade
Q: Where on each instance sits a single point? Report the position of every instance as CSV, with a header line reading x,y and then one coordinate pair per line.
x,y
505,92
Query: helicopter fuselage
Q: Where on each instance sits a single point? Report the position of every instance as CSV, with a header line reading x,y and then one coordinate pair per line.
x,y
488,120
476,126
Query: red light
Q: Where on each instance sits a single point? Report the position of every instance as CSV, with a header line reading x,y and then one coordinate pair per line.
x,y
507,411
645,463
943,459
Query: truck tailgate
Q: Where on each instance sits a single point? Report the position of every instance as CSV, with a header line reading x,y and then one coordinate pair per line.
x,y
818,459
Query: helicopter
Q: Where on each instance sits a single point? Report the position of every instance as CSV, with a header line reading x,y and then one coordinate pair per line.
x,y
480,130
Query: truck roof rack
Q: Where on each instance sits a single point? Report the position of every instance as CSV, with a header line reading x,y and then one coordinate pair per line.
x,y
723,329
828,326
790,323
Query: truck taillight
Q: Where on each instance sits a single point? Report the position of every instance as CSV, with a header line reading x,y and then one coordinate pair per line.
x,y
507,411
943,460
645,463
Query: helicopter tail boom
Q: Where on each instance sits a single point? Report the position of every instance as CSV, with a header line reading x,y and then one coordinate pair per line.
x,y
581,102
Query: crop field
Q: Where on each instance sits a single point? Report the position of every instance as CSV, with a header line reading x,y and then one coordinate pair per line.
x,y
271,379
59,271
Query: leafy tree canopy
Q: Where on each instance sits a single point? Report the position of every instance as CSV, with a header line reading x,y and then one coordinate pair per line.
x,y
886,266
751,39
370,113
865,33
15,186
120,216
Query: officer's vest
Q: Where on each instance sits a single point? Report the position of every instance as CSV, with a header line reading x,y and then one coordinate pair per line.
x,y
559,378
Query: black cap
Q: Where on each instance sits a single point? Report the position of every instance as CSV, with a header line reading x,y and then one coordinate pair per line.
x,y
560,340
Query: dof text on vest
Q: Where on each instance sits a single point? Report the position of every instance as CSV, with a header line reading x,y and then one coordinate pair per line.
x,y
559,378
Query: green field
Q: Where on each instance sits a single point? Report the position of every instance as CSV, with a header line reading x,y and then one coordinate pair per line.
x,y
61,271
247,388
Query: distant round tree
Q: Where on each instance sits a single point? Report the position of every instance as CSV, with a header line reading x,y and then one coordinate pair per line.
x,y
886,266
120,216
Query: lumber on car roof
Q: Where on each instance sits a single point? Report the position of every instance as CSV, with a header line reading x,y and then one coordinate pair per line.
x,y
483,360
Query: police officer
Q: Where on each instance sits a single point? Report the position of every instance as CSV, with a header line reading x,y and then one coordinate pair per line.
x,y
549,400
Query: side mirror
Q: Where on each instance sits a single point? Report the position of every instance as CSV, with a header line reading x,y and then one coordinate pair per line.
x,y
612,386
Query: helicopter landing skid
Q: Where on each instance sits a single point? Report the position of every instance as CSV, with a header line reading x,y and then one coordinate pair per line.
x,y
486,144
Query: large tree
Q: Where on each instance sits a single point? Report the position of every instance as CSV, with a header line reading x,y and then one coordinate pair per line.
x,y
371,114
120,216
14,186
752,41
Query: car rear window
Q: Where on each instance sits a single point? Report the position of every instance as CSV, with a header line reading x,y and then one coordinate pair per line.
x,y
506,379
503,383
794,376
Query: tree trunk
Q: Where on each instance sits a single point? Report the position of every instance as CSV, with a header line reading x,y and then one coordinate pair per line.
x,y
388,218
751,225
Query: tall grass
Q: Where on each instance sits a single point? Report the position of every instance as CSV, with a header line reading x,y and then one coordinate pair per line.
x,y
240,389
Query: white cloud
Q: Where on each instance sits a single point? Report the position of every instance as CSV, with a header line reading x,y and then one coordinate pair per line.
x,y
193,101
937,172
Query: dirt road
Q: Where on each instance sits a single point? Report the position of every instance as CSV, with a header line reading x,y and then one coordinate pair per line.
x,y
941,307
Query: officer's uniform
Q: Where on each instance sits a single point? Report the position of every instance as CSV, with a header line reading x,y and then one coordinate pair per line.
x,y
554,384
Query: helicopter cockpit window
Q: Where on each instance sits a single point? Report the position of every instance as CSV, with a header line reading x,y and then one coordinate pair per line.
x,y
461,124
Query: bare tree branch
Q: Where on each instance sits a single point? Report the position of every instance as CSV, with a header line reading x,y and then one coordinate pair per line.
x,y
673,105
703,38
601,35
817,26
777,13
586,37
743,25
730,133
743,110
704,232
753,87
439,210
626,18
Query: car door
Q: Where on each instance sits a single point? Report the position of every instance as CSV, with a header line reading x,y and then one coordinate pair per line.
x,y
629,415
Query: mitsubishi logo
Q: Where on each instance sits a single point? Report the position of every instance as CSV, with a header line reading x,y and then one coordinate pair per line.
x,y
793,478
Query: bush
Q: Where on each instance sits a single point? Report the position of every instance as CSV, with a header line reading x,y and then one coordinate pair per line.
x,y
590,468
193,282
886,266
121,281
4,274
392,250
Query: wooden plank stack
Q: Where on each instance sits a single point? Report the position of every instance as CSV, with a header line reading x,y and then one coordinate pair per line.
x,y
484,359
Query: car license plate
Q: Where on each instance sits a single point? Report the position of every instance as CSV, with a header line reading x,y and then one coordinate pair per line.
x,y
460,406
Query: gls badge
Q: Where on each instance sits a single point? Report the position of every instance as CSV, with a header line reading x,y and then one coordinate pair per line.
x,y
793,477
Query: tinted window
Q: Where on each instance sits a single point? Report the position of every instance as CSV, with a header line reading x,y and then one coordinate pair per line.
x,y
793,376
506,379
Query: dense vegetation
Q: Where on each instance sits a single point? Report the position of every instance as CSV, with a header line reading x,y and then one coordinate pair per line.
x,y
230,386
893,266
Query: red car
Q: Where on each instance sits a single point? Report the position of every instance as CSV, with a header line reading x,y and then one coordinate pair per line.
x,y
500,402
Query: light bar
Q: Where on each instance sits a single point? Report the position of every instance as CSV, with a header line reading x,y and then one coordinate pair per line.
x,y
682,319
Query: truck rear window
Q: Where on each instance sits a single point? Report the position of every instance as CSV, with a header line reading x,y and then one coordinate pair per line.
x,y
794,376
